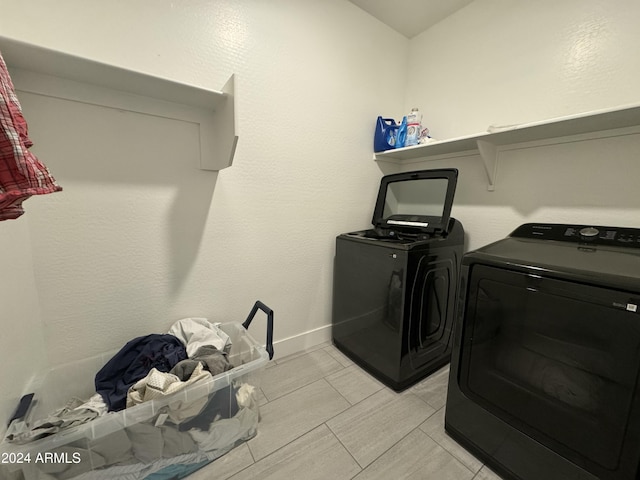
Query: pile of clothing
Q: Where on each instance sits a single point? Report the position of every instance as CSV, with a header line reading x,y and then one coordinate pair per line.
x,y
187,431
156,365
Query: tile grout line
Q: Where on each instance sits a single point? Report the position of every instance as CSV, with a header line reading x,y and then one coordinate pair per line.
x,y
345,448
323,378
305,433
449,451
350,404
425,433
342,367
293,356
244,468
435,410
289,443
408,433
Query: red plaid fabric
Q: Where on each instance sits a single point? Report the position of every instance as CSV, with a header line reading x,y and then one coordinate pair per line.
x,y
21,173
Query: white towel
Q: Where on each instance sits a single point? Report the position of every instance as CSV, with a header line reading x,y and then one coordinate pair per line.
x,y
197,332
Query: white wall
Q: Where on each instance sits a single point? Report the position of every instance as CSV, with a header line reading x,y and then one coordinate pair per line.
x,y
502,62
22,341
140,237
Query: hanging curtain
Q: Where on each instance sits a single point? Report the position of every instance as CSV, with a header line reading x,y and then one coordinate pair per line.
x,y
21,173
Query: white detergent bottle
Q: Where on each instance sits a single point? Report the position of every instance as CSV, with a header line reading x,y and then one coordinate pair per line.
x,y
414,126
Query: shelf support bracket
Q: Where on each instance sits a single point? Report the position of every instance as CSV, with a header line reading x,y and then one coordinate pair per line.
x,y
219,136
489,154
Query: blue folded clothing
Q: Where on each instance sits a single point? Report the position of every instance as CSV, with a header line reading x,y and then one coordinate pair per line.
x,y
133,362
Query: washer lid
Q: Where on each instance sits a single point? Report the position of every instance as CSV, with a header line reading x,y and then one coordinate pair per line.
x,y
417,201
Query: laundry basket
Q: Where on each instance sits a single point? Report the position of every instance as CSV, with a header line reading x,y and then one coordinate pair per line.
x,y
143,441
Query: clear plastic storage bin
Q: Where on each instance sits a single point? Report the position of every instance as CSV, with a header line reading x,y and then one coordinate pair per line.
x,y
142,442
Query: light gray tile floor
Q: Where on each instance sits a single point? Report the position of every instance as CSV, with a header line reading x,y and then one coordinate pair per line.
x,y
323,417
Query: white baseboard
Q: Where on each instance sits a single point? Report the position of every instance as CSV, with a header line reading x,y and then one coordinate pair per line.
x,y
302,341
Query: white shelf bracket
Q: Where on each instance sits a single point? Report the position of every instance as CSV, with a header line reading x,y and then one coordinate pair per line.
x,y
489,154
219,136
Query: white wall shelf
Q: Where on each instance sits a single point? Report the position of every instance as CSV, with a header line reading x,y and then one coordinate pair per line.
x,y
43,71
596,124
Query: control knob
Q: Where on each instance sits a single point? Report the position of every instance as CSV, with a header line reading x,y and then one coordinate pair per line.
x,y
589,233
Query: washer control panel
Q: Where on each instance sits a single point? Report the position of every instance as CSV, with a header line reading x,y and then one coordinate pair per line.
x,y
584,234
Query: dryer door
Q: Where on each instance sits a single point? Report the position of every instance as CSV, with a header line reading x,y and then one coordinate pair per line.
x,y
557,360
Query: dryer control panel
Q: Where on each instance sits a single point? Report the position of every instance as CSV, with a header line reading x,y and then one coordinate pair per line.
x,y
583,234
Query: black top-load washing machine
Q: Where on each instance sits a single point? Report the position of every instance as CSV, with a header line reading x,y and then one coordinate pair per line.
x,y
395,285
544,380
